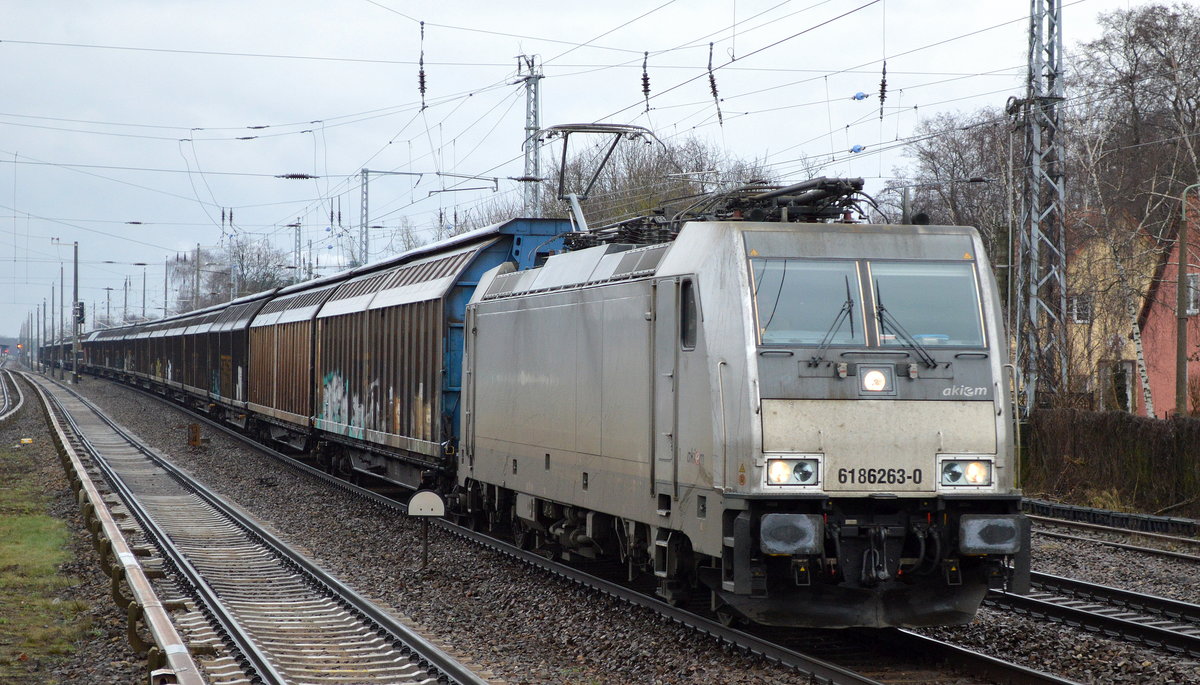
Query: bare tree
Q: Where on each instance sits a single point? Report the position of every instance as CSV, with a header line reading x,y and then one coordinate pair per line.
x,y
204,277
637,180
963,175
1143,74
1133,149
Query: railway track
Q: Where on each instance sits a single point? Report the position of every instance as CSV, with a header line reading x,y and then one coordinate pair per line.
x,y
1172,546
11,397
1147,619
280,618
1065,514
859,657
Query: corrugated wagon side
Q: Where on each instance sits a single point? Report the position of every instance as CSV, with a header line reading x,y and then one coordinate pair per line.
x,y
280,388
389,351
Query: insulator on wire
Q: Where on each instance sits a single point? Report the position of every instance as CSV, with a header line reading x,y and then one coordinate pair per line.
x,y
882,89
646,79
712,84
421,66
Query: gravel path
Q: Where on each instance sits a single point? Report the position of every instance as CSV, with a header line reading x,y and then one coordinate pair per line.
x,y
526,626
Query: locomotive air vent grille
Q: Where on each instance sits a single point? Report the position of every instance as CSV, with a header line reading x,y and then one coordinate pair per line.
x,y
639,262
650,259
628,263
502,285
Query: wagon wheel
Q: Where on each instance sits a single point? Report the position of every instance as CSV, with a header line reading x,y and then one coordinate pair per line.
x,y
324,462
343,467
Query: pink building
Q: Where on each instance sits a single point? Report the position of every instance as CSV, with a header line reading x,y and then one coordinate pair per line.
x,y
1158,324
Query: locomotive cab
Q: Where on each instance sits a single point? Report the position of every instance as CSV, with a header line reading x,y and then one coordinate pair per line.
x,y
881,490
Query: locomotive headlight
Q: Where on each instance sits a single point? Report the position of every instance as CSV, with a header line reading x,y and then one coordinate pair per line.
x,y
966,472
792,471
779,472
874,381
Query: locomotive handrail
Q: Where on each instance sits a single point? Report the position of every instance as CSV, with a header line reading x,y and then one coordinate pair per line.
x,y
1015,419
724,421
885,353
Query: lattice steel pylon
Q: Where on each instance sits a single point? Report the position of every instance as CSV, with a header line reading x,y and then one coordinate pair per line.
x,y
531,75
1041,338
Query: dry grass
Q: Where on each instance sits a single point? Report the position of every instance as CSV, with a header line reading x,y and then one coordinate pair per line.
x,y
36,622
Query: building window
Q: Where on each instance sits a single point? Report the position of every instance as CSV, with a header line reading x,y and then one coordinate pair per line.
x,y
1079,307
1193,300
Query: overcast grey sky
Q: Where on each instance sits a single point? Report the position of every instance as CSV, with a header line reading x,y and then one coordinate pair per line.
x,y
169,113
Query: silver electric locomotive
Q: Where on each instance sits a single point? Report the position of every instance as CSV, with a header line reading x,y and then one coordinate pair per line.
x,y
812,422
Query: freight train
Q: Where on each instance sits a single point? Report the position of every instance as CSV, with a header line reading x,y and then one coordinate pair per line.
x,y
803,418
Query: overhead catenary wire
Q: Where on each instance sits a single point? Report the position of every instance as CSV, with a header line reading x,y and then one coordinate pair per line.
x,y
451,141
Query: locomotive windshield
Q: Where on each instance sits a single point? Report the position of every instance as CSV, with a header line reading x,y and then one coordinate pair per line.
x,y
801,301
936,302
820,302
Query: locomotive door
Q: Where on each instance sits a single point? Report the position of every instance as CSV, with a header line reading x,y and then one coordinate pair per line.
x,y
666,407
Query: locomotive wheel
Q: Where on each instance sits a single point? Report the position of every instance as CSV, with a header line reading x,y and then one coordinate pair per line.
x,y
725,614
524,537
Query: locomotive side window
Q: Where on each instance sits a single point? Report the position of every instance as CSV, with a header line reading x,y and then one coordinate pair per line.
x,y
688,315
801,301
937,303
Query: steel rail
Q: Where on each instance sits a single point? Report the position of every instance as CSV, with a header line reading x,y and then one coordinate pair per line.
x,y
8,409
1118,519
1155,551
1148,619
429,654
1127,532
821,671
981,664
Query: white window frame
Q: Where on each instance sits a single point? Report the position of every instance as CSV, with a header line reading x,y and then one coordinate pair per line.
x,y
1079,307
1193,299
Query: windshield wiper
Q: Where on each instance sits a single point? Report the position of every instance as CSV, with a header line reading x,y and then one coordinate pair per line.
x,y
846,312
886,320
